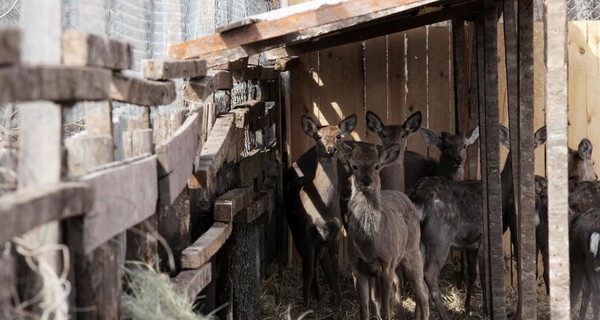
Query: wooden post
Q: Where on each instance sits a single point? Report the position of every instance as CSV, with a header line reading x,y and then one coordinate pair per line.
x,y
526,194
40,154
555,29
246,271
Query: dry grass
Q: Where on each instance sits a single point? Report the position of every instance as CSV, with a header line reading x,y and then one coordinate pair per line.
x,y
290,304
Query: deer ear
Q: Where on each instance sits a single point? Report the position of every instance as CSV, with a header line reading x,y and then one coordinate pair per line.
x,y
347,125
539,184
540,136
504,136
374,123
585,149
346,151
472,135
309,126
430,137
413,123
389,154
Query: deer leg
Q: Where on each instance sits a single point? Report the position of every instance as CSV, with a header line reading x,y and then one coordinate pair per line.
x,y
413,269
398,291
576,282
596,304
482,279
385,289
472,275
361,284
585,298
374,298
316,290
329,263
546,273
432,275
308,271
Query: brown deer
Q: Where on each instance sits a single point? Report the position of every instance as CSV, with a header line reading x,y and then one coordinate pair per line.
x,y
313,211
383,232
581,165
453,152
509,213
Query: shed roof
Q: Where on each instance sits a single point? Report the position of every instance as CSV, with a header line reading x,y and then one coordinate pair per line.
x,y
318,24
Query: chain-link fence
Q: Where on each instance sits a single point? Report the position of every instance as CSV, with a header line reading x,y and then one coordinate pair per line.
x,y
583,9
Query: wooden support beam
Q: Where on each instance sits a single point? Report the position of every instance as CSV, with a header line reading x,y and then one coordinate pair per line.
x,y
253,165
248,113
163,70
10,46
176,159
84,153
26,209
288,63
199,89
232,202
53,83
555,29
136,142
192,282
238,64
142,92
215,151
86,49
116,207
200,252
263,202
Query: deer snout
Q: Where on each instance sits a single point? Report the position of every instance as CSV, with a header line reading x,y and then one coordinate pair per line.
x,y
366,181
458,160
331,149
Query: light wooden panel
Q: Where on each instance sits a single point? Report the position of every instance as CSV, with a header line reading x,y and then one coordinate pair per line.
x,y
579,57
397,81
539,71
376,82
416,55
592,117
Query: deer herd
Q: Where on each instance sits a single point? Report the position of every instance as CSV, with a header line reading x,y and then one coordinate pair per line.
x,y
403,212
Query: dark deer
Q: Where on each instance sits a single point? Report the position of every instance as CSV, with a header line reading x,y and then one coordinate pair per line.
x,y
453,152
314,214
581,165
383,233
509,212
451,217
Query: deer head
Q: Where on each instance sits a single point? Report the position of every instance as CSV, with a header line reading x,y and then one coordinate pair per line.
x,y
581,165
365,163
328,137
453,148
394,133
539,137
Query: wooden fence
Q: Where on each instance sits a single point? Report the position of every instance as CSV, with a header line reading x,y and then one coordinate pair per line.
x,y
189,180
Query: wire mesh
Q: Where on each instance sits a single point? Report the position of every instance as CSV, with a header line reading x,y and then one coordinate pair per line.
x,y
583,9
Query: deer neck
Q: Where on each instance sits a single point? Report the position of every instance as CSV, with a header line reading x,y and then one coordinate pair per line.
x,y
451,172
392,176
326,180
365,214
506,179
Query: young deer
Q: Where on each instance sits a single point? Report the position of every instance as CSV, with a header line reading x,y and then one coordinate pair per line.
x,y
314,214
383,232
453,152
581,165
509,213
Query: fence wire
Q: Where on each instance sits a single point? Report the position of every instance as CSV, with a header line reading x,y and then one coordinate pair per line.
x,y
583,9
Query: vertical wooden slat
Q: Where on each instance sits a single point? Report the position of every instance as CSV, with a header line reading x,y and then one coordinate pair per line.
x,y
579,57
397,80
526,188
40,140
416,66
460,72
491,166
592,80
376,82
439,94
539,93
556,121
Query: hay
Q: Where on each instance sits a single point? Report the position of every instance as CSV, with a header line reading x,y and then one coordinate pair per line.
x,y
151,296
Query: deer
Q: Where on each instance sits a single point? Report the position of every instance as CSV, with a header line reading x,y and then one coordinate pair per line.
x,y
383,232
509,212
581,164
313,211
453,152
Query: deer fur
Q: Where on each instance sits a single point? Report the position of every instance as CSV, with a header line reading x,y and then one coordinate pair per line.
x,y
313,210
383,232
581,164
453,152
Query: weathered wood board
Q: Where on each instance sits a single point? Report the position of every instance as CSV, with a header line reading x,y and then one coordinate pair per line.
x,y
10,46
142,92
164,70
126,194
215,150
85,49
263,202
253,165
192,282
84,152
53,83
200,252
26,209
248,113
176,159
232,202
199,89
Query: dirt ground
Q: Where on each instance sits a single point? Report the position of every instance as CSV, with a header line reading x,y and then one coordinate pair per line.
x,y
290,306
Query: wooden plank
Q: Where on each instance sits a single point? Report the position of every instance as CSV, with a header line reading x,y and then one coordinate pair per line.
x,y
85,153
248,113
556,146
237,24
416,63
53,83
98,118
198,90
263,202
176,159
579,57
9,282
136,143
375,51
192,282
593,96
287,63
308,19
245,274
163,70
439,93
232,202
215,150
117,208
141,92
200,252
252,166
10,46
87,49
397,80
238,64
27,209
539,95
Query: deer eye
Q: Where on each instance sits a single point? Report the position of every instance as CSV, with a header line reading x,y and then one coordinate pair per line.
x,y
464,146
377,167
339,136
319,136
384,135
354,167
404,135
